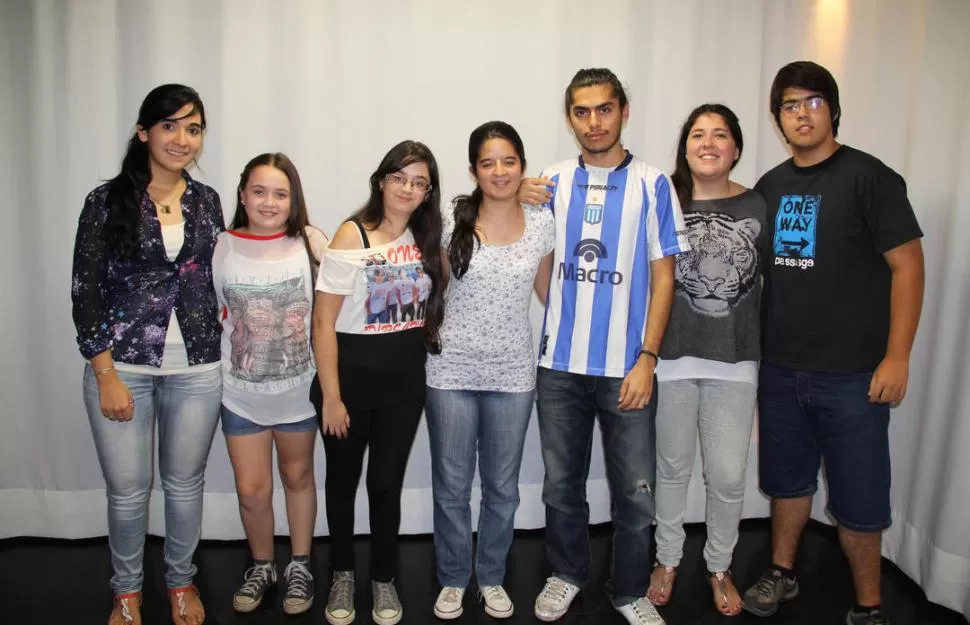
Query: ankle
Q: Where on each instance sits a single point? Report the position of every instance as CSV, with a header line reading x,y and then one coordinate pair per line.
x,y
786,572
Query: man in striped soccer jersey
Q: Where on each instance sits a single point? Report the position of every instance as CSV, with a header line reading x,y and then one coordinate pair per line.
x,y
618,225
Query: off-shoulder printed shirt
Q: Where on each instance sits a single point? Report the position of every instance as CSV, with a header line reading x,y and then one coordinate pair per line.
x,y
124,304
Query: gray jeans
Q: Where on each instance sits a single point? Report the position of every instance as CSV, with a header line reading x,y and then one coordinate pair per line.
x,y
723,413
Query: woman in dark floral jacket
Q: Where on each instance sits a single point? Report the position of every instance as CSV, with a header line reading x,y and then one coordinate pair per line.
x,y
146,320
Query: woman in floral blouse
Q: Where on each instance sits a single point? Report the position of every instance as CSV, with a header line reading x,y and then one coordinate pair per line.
x,y
146,319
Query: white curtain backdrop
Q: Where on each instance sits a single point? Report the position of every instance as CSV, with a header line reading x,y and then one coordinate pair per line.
x,y
335,83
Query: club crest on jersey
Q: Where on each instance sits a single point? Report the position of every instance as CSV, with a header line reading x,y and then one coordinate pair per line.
x,y
593,214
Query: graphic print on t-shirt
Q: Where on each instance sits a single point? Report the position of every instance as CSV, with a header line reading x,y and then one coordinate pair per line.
x,y
396,292
795,228
268,339
721,267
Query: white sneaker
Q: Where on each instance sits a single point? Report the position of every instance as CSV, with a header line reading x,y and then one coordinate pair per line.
x,y
497,602
641,612
448,605
554,599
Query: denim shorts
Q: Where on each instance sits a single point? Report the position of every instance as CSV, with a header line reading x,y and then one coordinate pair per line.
x,y
236,425
807,417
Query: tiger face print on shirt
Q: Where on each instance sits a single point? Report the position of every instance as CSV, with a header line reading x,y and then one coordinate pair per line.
x,y
721,266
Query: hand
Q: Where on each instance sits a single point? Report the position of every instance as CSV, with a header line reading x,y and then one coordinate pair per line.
x,y
534,191
637,387
117,402
336,421
889,380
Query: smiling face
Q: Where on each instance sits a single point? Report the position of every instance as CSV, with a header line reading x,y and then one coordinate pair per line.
x,y
266,198
710,148
174,142
498,169
405,189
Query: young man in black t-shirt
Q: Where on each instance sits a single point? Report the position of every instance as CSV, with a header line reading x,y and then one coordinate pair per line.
x,y
842,296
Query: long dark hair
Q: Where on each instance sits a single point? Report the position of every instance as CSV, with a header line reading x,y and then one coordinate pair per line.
x,y
127,189
464,237
425,225
682,179
299,219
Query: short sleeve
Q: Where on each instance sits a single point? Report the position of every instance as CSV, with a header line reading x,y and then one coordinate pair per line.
x,y
888,214
219,256
318,241
338,272
665,222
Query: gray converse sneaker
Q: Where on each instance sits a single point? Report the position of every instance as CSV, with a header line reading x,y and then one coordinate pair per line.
x,y
299,588
769,591
340,603
387,606
256,582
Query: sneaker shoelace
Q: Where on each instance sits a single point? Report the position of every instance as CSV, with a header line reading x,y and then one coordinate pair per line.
x,y
386,598
451,594
766,585
556,590
341,592
495,594
298,580
645,611
255,581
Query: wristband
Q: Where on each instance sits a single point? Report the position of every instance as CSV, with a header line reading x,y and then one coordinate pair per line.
x,y
101,372
655,357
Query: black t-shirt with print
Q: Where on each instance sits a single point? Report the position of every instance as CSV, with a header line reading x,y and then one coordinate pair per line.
x,y
827,285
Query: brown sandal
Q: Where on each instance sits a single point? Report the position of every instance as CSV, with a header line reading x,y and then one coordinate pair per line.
x,y
186,606
661,584
724,590
127,609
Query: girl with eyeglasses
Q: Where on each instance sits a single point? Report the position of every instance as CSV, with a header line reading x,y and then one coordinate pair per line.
x,y
370,388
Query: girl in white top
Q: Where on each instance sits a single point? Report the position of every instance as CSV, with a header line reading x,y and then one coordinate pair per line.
x,y
263,270
481,386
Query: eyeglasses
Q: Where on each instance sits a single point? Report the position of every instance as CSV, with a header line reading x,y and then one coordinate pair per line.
x,y
812,103
398,179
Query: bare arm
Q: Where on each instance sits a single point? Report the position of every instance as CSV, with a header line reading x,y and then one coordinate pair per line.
x,y
891,377
543,276
637,388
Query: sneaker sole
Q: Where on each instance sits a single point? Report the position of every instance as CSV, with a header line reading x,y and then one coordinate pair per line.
x,y
550,618
774,608
246,608
394,620
498,614
449,616
293,610
336,620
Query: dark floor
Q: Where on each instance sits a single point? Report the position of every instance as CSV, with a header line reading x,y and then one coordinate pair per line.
x,y
65,582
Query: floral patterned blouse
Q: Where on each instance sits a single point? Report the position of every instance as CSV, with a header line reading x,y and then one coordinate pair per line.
x,y
124,304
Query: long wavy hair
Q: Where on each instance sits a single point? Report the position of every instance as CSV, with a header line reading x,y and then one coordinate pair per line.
x,y
127,189
464,238
682,179
299,218
425,225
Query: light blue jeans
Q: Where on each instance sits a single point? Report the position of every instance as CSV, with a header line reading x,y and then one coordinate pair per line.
x,y
187,409
723,413
462,424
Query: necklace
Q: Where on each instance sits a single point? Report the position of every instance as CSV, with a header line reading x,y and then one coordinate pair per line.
x,y
166,207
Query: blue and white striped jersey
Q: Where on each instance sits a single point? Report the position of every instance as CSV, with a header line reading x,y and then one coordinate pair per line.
x,y
610,223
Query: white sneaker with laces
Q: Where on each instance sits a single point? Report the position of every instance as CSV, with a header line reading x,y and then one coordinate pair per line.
x,y
448,605
554,599
640,612
497,601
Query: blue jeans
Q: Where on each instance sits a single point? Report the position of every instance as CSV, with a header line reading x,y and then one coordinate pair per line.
x,y
807,417
461,424
568,404
187,408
